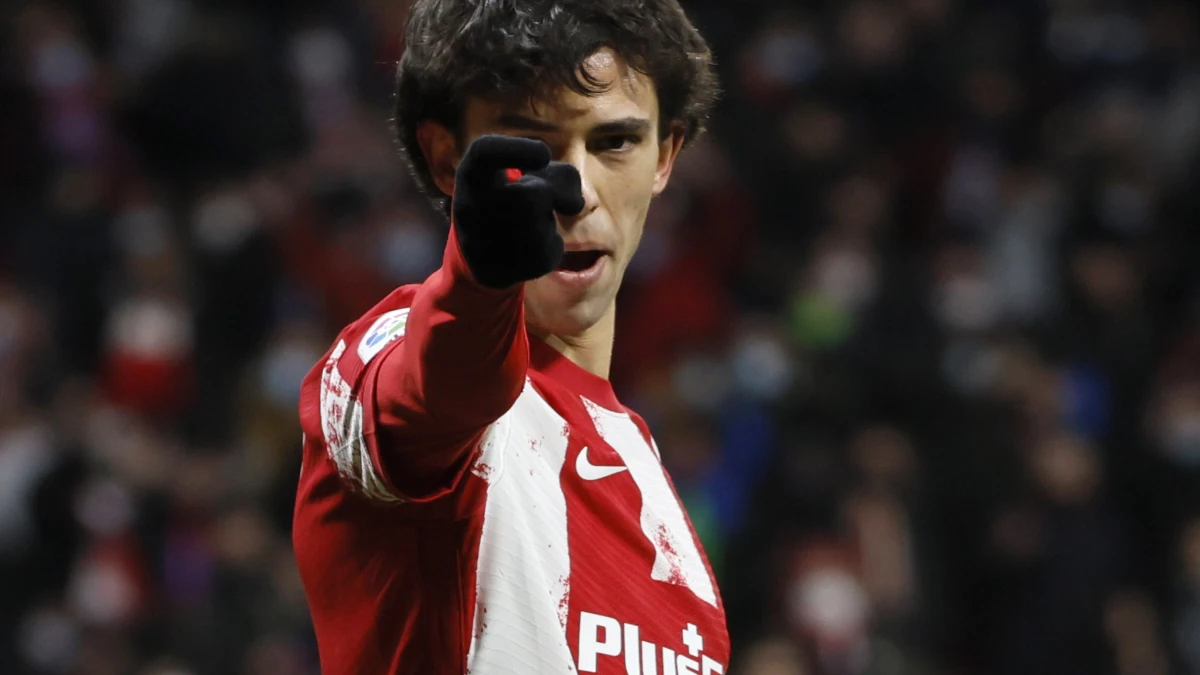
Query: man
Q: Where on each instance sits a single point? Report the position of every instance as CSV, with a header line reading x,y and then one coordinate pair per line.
x,y
473,496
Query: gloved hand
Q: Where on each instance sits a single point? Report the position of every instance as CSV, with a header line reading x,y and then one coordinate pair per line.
x,y
506,191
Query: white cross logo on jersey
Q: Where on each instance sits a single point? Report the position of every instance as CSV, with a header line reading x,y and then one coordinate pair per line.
x,y
693,640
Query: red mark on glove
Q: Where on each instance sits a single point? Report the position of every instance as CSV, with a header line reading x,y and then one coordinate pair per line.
x,y
513,175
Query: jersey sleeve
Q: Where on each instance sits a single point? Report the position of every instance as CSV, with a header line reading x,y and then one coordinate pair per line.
x,y
408,392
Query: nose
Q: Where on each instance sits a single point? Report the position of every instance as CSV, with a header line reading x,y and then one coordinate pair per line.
x,y
578,158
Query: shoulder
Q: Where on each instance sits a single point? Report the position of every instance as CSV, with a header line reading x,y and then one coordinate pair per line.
x,y
644,429
355,346
367,336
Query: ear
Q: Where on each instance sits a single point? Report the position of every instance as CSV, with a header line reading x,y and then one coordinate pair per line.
x,y
668,150
440,148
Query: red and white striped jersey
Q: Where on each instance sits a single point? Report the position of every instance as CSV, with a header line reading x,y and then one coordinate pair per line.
x,y
470,501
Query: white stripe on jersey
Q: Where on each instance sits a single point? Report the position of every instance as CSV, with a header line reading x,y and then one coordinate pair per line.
x,y
342,426
677,559
521,598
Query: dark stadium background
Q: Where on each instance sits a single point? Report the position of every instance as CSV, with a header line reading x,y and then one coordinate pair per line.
x,y
917,326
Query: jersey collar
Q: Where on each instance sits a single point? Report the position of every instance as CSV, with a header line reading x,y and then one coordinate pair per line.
x,y
551,363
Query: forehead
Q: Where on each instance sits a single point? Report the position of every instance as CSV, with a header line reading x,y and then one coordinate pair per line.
x,y
625,93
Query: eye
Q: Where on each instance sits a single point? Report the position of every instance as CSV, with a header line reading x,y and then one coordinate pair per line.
x,y
616,143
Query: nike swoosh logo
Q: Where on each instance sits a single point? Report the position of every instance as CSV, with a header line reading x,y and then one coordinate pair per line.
x,y
589,471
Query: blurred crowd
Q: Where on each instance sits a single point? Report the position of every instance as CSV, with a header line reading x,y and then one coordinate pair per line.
x,y
917,326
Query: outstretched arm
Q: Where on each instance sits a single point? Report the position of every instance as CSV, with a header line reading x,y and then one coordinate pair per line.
x,y
462,362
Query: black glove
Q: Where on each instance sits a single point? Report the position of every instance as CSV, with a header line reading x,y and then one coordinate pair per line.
x,y
506,228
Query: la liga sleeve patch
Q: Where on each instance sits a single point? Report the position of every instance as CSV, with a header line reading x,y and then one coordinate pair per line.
x,y
387,327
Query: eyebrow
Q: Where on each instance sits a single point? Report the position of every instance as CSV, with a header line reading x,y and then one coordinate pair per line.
x,y
625,125
523,123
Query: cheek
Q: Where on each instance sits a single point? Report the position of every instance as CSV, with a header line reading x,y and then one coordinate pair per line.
x,y
631,189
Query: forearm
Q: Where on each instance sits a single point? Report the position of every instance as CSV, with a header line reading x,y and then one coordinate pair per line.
x,y
463,360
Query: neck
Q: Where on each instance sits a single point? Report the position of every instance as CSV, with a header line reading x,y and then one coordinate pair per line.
x,y
591,350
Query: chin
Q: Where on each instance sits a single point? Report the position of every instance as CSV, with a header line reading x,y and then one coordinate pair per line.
x,y
556,314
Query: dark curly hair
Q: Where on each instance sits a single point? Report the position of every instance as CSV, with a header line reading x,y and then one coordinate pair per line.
x,y
457,49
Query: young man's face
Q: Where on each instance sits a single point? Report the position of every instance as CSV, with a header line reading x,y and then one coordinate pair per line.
x,y
613,140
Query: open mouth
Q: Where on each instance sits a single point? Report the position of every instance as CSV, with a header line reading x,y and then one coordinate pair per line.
x,y
578,261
